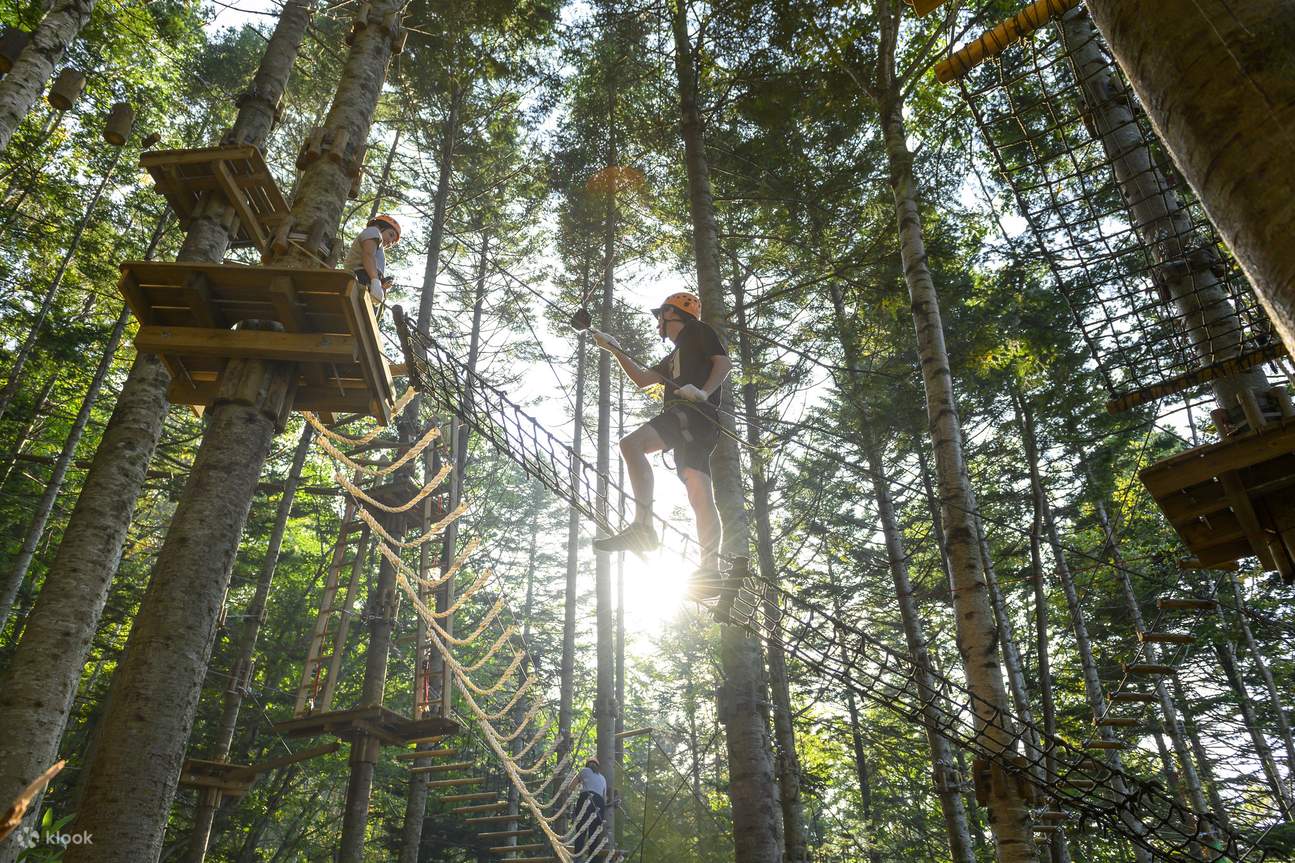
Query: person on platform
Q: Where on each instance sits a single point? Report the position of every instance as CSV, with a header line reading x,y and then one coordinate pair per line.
x,y
693,375
366,259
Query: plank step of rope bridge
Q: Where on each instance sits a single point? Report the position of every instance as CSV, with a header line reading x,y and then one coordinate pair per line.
x,y
493,819
450,783
481,807
1166,638
467,798
1233,499
444,768
506,834
238,173
512,849
324,323
1105,744
1183,604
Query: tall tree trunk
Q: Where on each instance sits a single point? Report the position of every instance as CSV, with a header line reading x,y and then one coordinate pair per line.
x,y
1214,77
605,705
571,594
1057,847
1093,690
1168,712
1185,261
795,835
946,778
24,83
384,178
130,783
34,706
976,633
1257,658
51,292
751,791
240,673
862,775
54,484
444,167
1263,752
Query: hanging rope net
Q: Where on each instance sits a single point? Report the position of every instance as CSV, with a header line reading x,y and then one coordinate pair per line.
x,y
1057,772
1161,305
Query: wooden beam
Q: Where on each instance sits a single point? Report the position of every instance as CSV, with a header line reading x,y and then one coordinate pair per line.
x,y
995,41
1165,603
245,344
1166,638
198,289
237,198
253,770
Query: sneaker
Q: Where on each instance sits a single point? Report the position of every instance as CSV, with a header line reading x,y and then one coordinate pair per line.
x,y
638,538
705,584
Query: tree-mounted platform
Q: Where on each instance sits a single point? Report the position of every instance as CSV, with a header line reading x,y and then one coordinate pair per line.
x,y
387,726
186,177
1235,498
186,312
234,780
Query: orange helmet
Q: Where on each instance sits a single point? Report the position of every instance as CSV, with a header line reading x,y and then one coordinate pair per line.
x,y
684,302
386,220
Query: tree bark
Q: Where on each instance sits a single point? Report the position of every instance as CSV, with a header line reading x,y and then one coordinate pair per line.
x,y
605,705
976,633
1185,260
1257,658
1214,77
1093,690
241,670
751,791
787,765
440,201
566,689
34,706
132,780
22,86
946,777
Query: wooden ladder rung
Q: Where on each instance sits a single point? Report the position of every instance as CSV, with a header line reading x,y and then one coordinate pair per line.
x,y
447,767
1174,604
1104,744
1149,669
465,798
1134,697
1117,722
419,741
508,849
481,807
449,783
505,834
492,819
1166,638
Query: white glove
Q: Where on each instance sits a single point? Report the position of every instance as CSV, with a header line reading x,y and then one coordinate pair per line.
x,y
604,341
691,393
376,290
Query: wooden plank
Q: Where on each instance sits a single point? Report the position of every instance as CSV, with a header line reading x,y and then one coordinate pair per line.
x,y
1166,638
505,834
1117,722
253,770
305,399
197,288
480,807
1165,603
197,155
449,783
1149,669
467,798
246,344
449,767
1203,463
250,224
1134,697
1104,744
1245,513
128,287
509,849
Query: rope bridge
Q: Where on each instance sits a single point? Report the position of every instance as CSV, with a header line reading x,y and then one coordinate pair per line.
x,y
514,731
1053,772
1160,303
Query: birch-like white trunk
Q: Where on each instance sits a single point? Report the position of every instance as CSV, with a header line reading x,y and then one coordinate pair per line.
x,y
24,83
34,706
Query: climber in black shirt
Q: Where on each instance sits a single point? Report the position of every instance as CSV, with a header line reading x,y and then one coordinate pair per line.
x,y
693,375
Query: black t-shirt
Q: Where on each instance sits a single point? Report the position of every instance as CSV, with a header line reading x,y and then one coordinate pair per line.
x,y
690,361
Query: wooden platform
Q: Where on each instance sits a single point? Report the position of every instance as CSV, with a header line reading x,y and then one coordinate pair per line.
x,y
388,726
239,173
231,780
1233,499
186,312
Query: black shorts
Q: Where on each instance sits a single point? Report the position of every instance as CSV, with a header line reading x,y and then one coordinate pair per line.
x,y
690,433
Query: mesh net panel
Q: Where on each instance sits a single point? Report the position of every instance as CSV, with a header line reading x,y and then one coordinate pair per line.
x,y
1160,303
1053,772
